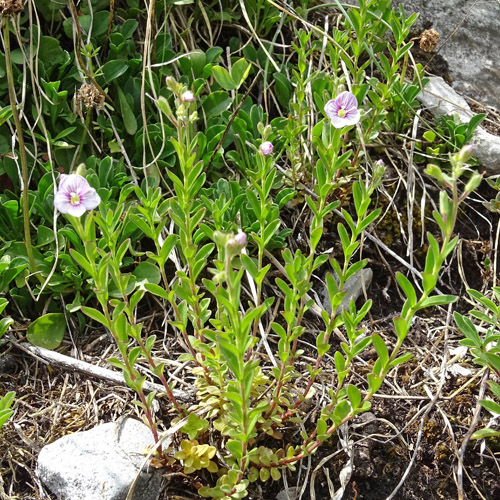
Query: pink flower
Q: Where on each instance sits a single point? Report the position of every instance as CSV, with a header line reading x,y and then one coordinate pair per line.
x,y
266,148
75,196
236,244
188,96
343,110
241,238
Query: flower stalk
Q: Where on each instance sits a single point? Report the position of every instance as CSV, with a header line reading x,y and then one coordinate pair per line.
x,y
22,150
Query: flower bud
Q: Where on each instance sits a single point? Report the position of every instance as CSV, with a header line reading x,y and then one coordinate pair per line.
x,y
236,244
474,182
434,171
241,238
465,153
188,96
266,148
173,85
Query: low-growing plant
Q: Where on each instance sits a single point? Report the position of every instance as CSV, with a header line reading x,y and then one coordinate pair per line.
x,y
484,345
6,400
241,397
174,174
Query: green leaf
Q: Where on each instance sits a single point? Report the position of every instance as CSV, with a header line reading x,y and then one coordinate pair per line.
x,y
407,288
493,360
402,359
95,315
81,261
147,272
485,433
195,425
381,348
47,331
494,388
283,89
468,328
344,238
490,406
127,113
113,69
341,411
216,103
156,290
239,72
401,327
438,300
354,396
235,448
223,78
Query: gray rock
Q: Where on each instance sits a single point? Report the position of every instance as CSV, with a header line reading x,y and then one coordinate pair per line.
x,y
100,464
353,288
440,99
470,42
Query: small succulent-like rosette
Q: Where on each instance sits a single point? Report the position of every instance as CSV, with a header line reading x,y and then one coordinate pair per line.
x,y
75,196
266,148
343,110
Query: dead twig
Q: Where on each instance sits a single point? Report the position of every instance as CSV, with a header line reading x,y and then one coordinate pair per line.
x,y
72,364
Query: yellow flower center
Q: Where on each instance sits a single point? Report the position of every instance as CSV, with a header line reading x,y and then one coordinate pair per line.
x,y
75,199
342,113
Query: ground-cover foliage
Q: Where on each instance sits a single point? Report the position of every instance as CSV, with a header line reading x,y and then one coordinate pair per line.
x,y
199,159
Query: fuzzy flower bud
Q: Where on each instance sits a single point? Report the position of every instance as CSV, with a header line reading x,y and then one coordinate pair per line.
x,y
465,153
236,244
266,148
241,238
188,96
474,182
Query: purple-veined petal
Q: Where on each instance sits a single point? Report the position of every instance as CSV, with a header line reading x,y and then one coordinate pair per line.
x,y
74,183
338,122
77,210
347,100
90,199
352,117
62,202
331,108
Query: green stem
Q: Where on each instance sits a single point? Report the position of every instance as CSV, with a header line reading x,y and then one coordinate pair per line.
x,y
22,150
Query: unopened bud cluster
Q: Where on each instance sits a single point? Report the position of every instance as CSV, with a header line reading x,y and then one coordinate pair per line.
x,y
183,100
233,243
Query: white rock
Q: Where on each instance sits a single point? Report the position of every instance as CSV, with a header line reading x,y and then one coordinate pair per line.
x,y
100,464
440,99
